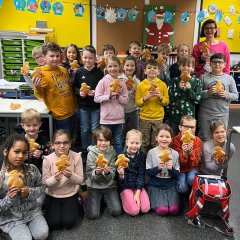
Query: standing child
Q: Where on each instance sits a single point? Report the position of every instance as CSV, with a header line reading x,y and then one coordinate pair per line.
x,y
131,110
31,123
215,100
131,180
209,164
70,54
163,52
135,49
101,181
62,185
183,95
20,213
162,192
189,154
151,97
183,50
112,103
55,88
88,109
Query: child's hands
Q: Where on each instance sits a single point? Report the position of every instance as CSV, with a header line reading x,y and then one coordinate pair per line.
x,y
149,96
67,173
113,94
37,82
24,191
158,95
121,172
204,56
82,94
36,153
185,149
98,171
169,165
212,90
182,84
188,85
222,94
91,93
58,175
160,166
12,192
137,198
106,170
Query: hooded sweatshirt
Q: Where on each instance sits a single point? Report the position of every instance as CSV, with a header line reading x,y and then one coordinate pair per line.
x,y
56,91
91,78
101,181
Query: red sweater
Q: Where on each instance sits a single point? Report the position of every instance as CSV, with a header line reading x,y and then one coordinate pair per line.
x,y
191,161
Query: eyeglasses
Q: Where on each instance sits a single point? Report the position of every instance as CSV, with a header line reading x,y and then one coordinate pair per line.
x,y
188,127
209,28
62,143
217,62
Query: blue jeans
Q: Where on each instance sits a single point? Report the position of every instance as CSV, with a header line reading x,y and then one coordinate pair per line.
x,y
94,202
89,120
117,131
185,181
64,124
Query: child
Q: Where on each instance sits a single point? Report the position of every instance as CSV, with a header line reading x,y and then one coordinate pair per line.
x,y
209,164
20,213
183,50
183,95
163,195
151,104
131,180
100,181
164,51
55,88
131,110
39,59
189,154
215,104
112,103
135,49
70,54
88,109
31,123
62,185
108,50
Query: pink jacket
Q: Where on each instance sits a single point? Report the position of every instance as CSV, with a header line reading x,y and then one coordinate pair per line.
x,y
65,187
111,110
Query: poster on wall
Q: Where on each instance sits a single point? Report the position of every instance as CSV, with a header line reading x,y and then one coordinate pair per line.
x,y
158,29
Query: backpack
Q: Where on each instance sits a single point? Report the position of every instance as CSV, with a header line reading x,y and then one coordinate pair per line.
x,y
210,189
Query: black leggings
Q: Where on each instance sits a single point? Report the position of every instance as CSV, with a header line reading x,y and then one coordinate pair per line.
x,y
61,212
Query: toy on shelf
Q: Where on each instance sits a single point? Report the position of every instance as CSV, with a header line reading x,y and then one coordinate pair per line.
x,y
130,83
62,163
74,65
219,155
115,85
122,161
14,106
33,145
85,88
187,136
165,156
15,179
101,161
25,68
185,76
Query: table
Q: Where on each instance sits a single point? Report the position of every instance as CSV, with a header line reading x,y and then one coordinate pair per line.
x,y
235,129
6,86
40,106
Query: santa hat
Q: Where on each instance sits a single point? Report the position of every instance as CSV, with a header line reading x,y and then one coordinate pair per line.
x,y
160,12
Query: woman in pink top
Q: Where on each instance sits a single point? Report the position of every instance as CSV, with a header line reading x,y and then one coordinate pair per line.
x,y
62,185
202,56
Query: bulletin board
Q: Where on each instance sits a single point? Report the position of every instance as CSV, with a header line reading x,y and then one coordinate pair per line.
x,y
68,27
234,43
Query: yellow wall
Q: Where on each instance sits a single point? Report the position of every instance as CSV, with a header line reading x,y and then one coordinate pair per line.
x,y
68,28
233,44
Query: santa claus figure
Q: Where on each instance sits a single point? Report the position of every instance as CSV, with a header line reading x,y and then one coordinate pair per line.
x,y
159,32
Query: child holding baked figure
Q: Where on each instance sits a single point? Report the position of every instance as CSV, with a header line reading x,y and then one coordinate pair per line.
x,y
112,94
162,168
215,157
20,186
62,175
189,148
100,173
131,179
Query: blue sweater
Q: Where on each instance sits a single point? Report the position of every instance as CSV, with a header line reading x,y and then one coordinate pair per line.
x,y
134,174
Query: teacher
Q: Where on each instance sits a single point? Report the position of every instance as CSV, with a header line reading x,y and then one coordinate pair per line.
x,y
204,50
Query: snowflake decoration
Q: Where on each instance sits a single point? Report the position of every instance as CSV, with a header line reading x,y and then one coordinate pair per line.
x,y
110,15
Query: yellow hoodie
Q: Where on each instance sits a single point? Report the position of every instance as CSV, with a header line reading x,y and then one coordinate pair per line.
x,y
152,109
56,91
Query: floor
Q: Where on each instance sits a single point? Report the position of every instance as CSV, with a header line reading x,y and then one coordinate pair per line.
x,y
151,226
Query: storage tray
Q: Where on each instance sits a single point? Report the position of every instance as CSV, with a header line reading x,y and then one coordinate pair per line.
x,y
12,73
31,61
12,48
33,43
12,54
12,78
28,55
12,66
29,48
11,42
13,60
